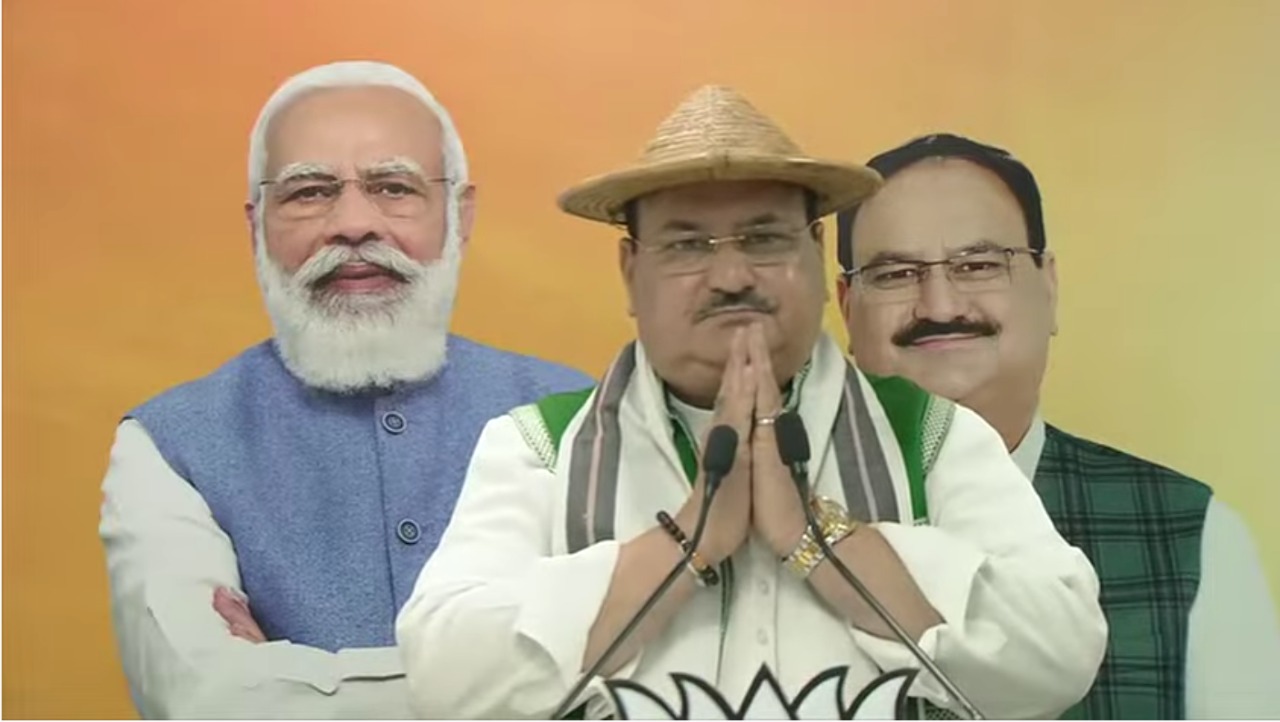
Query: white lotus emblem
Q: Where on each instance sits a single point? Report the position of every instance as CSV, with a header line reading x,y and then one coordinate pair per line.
x,y
823,697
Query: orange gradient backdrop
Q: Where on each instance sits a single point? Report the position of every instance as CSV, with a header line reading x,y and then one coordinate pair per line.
x,y
127,268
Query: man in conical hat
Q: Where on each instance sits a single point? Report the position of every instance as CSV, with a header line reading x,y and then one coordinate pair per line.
x,y
575,508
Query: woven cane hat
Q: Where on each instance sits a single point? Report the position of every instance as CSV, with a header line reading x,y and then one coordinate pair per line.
x,y
717,135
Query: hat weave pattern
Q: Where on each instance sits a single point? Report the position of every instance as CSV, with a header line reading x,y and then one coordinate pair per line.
x,y
715,119
716,134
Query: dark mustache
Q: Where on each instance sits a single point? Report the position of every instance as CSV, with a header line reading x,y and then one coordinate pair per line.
x,y
748,299
925,327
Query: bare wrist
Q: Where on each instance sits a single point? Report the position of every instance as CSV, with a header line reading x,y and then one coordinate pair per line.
x,y
787,541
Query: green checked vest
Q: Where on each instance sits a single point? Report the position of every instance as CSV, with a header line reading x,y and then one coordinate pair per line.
x,y
1140,526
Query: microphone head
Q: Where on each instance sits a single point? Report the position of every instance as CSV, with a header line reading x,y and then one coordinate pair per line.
x,y
722,446
793,440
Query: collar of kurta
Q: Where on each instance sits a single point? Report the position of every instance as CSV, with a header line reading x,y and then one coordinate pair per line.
x,y
1027,453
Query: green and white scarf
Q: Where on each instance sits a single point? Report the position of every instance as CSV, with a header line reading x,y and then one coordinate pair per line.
x,y
587,438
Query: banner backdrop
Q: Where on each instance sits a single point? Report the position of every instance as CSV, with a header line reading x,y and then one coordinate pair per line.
x,y
127,264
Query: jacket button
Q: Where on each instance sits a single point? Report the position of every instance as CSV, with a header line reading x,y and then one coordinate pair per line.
x,y
408,531
393,422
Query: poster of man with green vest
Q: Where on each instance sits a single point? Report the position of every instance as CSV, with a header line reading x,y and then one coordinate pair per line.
x,y
948,280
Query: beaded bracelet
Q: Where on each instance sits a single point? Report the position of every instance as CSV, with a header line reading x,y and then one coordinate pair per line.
x,y
703,572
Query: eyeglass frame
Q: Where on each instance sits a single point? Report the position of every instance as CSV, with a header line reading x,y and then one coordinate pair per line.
x,y
797,234
341,183
925,268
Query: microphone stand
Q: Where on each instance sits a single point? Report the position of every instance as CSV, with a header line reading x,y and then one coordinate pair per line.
x,y
800,476
885,615
713,479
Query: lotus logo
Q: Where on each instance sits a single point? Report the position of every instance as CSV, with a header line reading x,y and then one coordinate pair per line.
x,y
822,698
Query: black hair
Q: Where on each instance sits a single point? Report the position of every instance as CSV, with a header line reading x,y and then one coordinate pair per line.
x,y
1011,171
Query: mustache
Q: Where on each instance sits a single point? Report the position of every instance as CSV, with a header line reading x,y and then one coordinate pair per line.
x,y
925,328
323,264
747,299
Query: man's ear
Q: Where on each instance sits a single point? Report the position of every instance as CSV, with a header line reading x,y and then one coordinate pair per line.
x,y
466,212
626,265
846,296
842,294
250,213
816,233
1050,272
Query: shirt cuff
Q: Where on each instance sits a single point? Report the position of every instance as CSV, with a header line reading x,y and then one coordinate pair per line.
x,y
370,663
944,568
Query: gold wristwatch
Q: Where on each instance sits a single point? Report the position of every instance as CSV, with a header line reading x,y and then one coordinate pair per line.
x,y
835,524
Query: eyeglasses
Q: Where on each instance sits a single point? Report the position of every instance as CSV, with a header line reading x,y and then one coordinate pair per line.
x,y
978,271
397,195
692,253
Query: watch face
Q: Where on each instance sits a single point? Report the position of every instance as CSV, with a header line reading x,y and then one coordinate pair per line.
x,y
827,511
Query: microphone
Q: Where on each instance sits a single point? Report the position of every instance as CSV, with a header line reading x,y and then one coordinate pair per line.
x,y
717,458
717,461
793,447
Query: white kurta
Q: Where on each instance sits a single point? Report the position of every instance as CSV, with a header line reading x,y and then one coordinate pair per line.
x,y
498,621
1233,645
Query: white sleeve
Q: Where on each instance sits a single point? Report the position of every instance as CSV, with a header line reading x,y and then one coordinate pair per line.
x,y
1233,649
165,556
1023,634
513,618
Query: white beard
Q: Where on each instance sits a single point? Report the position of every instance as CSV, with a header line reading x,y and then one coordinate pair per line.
x,y
346,342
